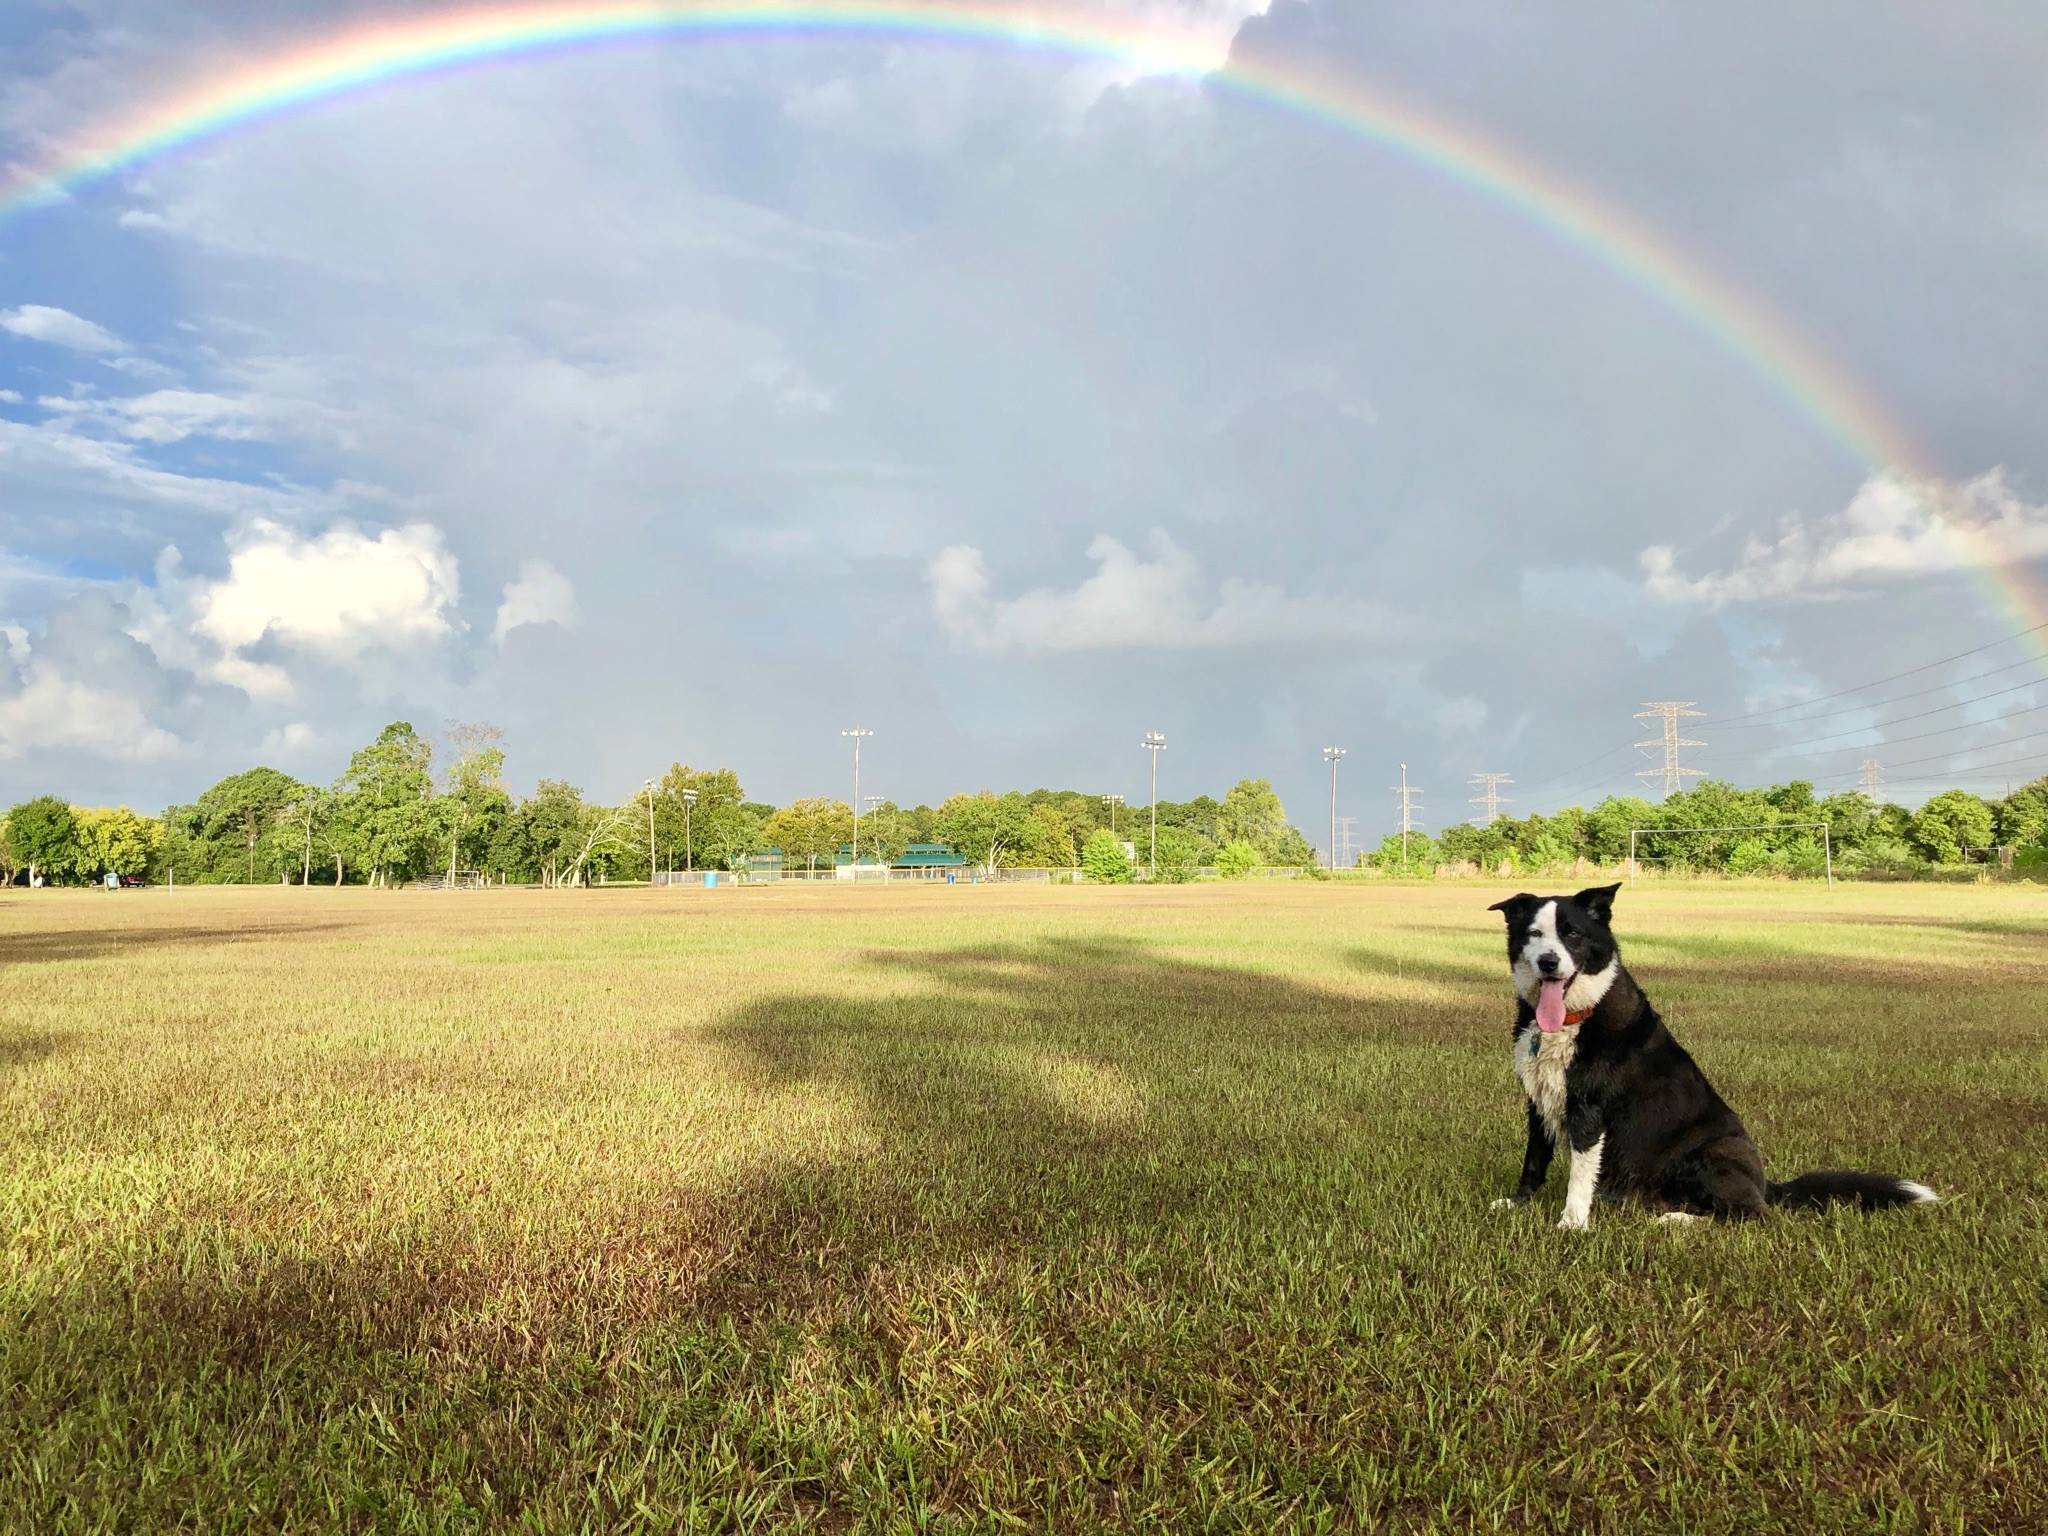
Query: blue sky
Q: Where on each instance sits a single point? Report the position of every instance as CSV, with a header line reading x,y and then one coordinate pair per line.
x,y
688,401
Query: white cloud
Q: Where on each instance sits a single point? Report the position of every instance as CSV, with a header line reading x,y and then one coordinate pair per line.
x,y
338,594
51,711
1892,528
290,739
10,397
58,328
541,595
1133,603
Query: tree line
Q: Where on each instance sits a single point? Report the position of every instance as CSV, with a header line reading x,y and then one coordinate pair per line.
x,y
393,816
1777,834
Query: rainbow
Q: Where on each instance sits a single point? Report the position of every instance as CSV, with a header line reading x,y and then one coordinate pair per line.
x,y
411,47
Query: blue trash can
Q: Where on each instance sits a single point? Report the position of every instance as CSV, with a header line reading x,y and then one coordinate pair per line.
x,y
710,878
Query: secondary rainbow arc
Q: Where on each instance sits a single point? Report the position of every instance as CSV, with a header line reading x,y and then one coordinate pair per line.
x,y
375,53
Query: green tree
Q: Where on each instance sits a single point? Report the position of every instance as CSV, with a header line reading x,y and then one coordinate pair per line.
x,y
1252,813
2022,816
1951,825
1044,840
225,828
1180,856
884,834
810,830
1236,859
1104,859
301,829
114,839
1421,857
687,832
43,836
473,798
385,815
982,827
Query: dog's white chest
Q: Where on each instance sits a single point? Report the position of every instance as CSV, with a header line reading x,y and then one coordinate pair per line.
x,y
1540,1062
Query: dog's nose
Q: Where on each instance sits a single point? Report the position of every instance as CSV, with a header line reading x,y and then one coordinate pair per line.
x,y
1547,964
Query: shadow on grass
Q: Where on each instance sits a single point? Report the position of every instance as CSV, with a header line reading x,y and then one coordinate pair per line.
x,y
1081,1155
28,1048
1015,1098
40,946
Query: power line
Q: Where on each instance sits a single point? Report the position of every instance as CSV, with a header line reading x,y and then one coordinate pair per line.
x,y
1825,698
1943,757
1669,712
1892,741
1939,709
1489,799
1918,693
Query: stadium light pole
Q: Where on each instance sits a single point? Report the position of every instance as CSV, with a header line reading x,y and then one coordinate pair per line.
x,y
689,852
1331,755
1112,801
856,733
1155,743
650,832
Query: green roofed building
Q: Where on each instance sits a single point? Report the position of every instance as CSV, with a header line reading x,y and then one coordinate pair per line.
x,y
916,856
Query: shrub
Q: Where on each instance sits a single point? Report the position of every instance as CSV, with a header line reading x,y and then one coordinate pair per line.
x,y
1236,859
1103,859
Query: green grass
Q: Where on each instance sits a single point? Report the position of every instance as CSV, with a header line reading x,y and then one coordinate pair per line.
x,y
991,1209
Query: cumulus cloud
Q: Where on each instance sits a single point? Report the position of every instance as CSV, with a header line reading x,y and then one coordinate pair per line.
x,y
291,739
541,595
53,712
1135,603
338,594
1893,528
58,328
84,685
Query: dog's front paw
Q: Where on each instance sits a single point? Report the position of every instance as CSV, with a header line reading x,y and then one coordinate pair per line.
x,y
1574,1221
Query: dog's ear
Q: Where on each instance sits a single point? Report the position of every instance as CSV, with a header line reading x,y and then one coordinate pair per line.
x,y
1520,902
1599,900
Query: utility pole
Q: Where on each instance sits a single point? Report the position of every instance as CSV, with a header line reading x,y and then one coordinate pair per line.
x,y
1331,755
1489,799
650,831
1669,712
1112,802
1409,820
1345,826
1155,743
1873,777
856,733
689,852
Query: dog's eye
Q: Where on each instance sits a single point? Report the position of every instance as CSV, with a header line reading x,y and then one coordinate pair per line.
x,y
1565,930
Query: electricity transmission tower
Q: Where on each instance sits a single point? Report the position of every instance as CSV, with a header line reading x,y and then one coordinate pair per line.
x,y
1489,799
1673,773
1411,819
1873,776
1331,755
1346,825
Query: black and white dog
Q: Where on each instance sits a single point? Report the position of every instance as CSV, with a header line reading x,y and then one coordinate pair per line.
x,y
1603,1073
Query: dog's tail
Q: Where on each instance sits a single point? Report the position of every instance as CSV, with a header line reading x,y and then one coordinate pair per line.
x,y
1871,1191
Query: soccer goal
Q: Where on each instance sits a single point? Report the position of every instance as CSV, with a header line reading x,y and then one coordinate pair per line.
x,y
1827,847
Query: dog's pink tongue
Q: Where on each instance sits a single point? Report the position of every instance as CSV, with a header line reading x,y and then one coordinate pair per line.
x,y
1550,1007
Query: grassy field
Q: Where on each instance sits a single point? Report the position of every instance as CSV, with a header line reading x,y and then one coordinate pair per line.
x,y
991,1209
